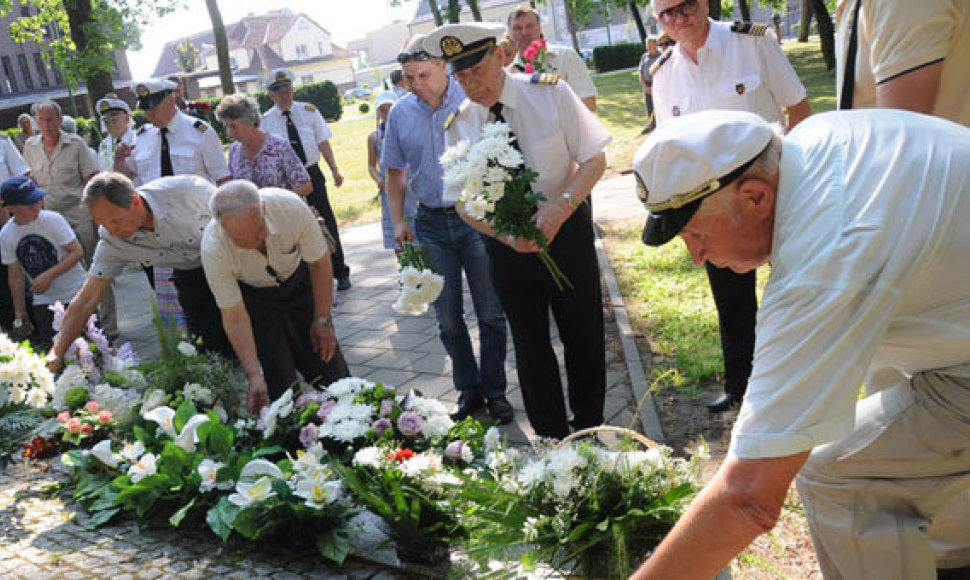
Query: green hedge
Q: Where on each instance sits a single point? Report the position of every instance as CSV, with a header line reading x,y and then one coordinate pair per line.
x,y
618,56
323,96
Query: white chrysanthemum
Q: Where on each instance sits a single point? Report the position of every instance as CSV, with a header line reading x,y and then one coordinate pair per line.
x,y
410,276
17,394
427,407
474,186
370,457
437,426
476,208
493,437
347,411
510,158
497,129
456,175
406,304
186,349
347,386
37,398
455,153
420,464
7,346
565,460
532,474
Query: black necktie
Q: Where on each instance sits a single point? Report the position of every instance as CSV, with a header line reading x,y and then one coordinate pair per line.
x,y
848,78
294,136
166,158
496,111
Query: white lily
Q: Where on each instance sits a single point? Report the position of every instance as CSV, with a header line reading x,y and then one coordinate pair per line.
x,y
319,494
144,467
132,451
248,494
103,452
208,470
163,416
260,467
188,437
281,407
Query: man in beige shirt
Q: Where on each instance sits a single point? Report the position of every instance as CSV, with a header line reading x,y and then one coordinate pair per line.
x,y
268,267
61,164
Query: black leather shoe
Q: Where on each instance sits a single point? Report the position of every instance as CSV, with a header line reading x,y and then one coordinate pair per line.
x,y
343,283
501,409
467,406
723,403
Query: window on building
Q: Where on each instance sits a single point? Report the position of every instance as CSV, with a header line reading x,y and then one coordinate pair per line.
x,y
25,71
306,79
8,72
233,63
301,51
25,11
41,70
320,48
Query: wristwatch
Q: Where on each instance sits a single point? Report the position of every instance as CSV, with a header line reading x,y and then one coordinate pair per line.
x,y
324,320
573,204
18,323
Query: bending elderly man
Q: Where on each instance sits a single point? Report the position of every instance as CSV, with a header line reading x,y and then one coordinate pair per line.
x,y
862,216
269,269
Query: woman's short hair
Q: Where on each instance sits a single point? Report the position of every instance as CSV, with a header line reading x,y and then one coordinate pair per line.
x,y
239,107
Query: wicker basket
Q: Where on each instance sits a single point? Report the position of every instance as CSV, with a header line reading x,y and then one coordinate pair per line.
x,y
610,429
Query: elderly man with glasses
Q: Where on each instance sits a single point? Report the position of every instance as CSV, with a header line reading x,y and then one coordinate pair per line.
x,y
739,67
413,142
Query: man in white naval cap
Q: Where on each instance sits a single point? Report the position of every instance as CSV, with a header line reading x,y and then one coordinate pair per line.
x,y
174,143
563,142
307,131
116,124
862,217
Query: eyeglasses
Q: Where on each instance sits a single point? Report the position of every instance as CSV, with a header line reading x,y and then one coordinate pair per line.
x,y
417,56
684,9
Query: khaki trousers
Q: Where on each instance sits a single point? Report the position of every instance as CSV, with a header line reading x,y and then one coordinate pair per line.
x,y
891,499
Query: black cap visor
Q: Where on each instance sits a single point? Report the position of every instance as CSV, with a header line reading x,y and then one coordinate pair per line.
x,y
664,226
151,101
471,55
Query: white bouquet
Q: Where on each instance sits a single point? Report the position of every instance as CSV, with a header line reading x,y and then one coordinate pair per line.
x,y
420,285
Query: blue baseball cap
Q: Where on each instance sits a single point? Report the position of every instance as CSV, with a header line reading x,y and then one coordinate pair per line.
x,y
20,191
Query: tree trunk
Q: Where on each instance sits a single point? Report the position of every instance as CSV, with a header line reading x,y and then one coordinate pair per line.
x,y
454,11
641,29
714,9
476,11
222,48
826,32
745,11
436,12
571,25
79,16
805,20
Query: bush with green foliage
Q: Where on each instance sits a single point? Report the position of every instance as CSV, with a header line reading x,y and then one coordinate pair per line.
x,y
364,108
323,96
618,56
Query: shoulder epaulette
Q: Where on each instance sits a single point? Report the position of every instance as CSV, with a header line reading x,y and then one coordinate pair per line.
x,y
544,79
143,128
201,126
660,61
450,119
310,108
750,28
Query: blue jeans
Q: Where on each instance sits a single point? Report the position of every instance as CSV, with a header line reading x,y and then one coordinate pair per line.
x,y
454,246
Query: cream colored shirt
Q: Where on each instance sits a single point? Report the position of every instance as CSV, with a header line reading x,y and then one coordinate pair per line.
x,y
564,61
898,36
62,174
294,236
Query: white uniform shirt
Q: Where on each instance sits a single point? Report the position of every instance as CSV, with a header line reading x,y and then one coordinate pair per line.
x,y
556,131
309,123
193,146
106,150
180,211
11,163
294,236
38,247
734,71
868,272
563,61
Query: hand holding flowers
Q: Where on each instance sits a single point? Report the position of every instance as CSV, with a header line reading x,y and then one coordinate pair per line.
x,y
420,285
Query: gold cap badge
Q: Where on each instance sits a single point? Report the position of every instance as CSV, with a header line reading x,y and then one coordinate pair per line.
x,y
451,45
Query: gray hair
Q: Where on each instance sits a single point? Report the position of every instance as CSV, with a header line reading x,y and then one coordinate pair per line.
x,y
68,124
36,107
766,165
239,107
233,197
112,187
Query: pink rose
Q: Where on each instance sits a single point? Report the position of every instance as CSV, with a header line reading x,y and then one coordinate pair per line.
x,y
529,68
92,406
63,416
73,425
529,53
87,428
104,417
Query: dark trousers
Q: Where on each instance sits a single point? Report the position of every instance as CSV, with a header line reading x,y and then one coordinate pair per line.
x,y
651,120
737,308
319,200
281,317
527,292
202,316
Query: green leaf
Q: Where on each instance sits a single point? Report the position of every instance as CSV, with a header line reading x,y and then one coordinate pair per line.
x,y
603,525
215,438
185,412
221,517
178,516
334,544
142,435
100,518
265,451
174,462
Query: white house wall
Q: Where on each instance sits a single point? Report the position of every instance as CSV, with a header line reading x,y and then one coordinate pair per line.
x,y
303,32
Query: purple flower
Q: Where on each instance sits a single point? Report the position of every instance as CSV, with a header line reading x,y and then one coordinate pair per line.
x,y
387,406
453,451
325,409
409,423
302,401
308,434
58,309
381,425
127,355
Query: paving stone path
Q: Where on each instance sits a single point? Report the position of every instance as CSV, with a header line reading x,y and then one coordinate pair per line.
x,y
42,534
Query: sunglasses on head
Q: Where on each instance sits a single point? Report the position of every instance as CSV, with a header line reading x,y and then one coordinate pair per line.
x,y
417,56
684,9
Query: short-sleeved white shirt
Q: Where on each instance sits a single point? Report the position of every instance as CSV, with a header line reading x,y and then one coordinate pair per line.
x,y
564,61
106,149
556,132
868,272
180,211
309,123
193,146
38,247
734,71
294,236
11,163
62,174
895,37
